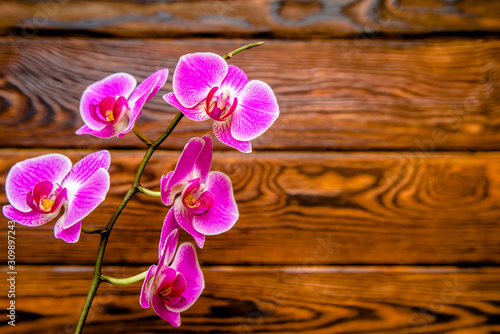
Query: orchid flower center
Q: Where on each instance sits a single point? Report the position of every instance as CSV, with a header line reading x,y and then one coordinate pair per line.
x,y
171,290
46,204
46,197
111,109
196,198
220,105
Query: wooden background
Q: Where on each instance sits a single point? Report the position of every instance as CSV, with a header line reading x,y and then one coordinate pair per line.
x,y
371,206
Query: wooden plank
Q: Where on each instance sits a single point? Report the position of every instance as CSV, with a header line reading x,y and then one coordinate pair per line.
x,y
335,95
277,300
313,208
279,19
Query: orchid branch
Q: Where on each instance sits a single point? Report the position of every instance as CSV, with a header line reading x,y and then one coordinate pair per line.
x,y
148,192
94,230
243,48
124,281
142,137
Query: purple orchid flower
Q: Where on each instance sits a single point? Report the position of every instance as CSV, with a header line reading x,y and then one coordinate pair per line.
x,y
172,287
38,188
111,107
206,205
206,87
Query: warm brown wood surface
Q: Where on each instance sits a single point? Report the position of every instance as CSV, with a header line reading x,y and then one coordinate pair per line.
x,y
351,208
439,94
371,206
249,18
281,300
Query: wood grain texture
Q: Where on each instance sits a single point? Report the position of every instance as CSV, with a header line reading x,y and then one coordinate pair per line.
x,y
305,208
322,235
255,18
284,300
335,95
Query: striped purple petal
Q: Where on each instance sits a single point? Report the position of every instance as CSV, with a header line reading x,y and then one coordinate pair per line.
x,y
114,85
196,113
168,242
234,81
142,94
186,263
146,287
185,220
31,218
84,197
194,162
223,214
159,306
24,175
86,167
256,112
195,75
70,234
222,131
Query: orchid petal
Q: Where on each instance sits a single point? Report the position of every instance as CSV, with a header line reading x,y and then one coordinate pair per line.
x,y
195,75
224,212
24,175
196,113
70,234
108,131
120,109
169,225
200,205
185,220
160,308
43,187
186,263
222,131
48,190
83,198
204,161
184,170
234,81
146,287
168,242
256,112
165,277
118,84
142,94
178,285
61,198
86,167
163,271
31,218
163,261
165,196
33,201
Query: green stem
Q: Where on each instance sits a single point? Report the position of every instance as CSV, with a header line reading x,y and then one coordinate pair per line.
x,y
124,281
94,230
148,192
96,280
243,48
142,137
